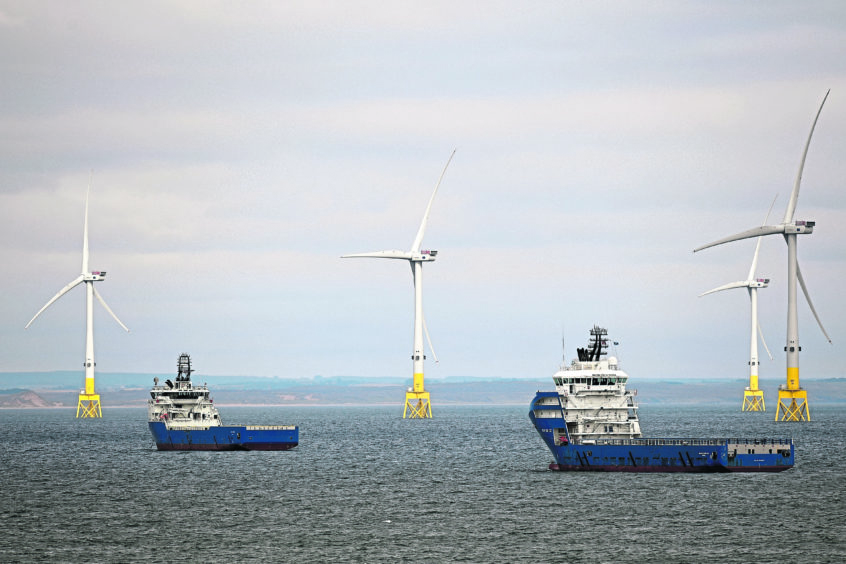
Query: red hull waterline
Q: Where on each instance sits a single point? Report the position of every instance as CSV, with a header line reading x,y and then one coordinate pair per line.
x,y
687,469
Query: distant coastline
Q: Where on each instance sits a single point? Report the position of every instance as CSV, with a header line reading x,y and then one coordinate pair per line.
x,y
384,392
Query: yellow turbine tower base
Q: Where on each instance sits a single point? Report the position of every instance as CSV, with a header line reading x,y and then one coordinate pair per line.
x,y
88,406
792,405
753,400
417,405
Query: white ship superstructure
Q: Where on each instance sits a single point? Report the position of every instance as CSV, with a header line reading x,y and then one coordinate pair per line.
x,y
592,394
181,404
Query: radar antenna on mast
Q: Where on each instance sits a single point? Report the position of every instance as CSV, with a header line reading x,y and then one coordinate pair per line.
x,y
183,367
598,345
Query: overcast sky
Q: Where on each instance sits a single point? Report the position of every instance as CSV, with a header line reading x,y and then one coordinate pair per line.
x,y
239,148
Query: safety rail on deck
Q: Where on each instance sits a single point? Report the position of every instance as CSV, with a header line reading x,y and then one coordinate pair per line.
x,y
680,442
178,427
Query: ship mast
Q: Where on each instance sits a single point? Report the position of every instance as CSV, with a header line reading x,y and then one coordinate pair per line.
x,y
183,368
598,345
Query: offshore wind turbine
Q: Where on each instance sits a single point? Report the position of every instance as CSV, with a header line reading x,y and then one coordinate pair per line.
x,y
417,400
88,404
792,398
753,397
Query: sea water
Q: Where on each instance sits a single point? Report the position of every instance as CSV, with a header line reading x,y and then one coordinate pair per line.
x,y
364,485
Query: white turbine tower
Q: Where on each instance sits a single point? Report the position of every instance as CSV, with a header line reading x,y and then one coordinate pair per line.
x,y
753,397
416,398
792,399
89,400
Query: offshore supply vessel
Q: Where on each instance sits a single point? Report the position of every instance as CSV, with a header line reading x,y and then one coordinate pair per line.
x,y
590,423
182,416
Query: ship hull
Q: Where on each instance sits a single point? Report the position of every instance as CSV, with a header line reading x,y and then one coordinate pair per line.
x,y
238,437
703,470
659,454
666,458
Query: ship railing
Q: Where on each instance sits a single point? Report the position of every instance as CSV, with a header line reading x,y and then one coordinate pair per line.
x,y
689,442
188,427
760,441
271,427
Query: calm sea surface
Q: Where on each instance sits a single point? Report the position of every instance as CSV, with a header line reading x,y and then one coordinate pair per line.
x,y
365,485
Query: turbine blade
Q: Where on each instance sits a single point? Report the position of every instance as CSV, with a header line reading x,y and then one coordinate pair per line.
x,y
729,286
794,196
418,240
761,334
431,348
754,266
381,254
754,232
61,293
105,305
810,303
85,231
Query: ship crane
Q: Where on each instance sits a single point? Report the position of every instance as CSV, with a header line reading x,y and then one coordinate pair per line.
x,y
88,404
792,398
417,399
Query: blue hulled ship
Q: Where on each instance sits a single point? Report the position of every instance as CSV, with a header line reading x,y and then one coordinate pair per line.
x,y
590,423
183,416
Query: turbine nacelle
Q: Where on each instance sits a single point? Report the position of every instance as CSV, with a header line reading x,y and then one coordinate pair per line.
x,y
424,256
800,227
96,276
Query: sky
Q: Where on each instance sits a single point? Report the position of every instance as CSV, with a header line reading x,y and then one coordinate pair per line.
x,y
236,150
